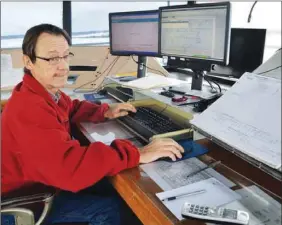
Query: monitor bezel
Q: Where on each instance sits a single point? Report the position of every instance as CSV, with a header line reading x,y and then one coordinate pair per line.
x,y
227,33
122,53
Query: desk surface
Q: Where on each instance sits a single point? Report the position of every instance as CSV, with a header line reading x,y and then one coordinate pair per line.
x,y
139,190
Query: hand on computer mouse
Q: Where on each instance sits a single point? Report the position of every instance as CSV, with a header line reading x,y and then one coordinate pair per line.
x,y
118,110
159,148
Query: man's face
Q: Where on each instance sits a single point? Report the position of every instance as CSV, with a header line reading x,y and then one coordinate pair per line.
x,y
51,75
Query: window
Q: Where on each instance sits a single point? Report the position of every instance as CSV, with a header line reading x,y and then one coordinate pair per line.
x,y
177,3
265,15
90,23
18,17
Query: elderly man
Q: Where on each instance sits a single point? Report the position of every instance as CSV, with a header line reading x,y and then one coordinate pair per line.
x,y
37,146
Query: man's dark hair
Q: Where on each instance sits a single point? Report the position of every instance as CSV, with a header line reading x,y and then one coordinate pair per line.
x,y
31,37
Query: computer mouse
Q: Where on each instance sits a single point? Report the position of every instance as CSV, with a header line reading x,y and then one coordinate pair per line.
x,y
191,149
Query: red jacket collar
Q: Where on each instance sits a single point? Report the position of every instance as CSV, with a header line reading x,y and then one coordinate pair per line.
x,y
33,85
30,83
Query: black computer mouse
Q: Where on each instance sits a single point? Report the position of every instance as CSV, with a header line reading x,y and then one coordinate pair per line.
x,y
188,148
191,149
184,156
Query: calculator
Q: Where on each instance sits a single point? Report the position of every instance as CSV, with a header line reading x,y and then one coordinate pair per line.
x,y
219,214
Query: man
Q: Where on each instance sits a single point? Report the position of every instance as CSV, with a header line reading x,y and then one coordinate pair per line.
x,y
36,143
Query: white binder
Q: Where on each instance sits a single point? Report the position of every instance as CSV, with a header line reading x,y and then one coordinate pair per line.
x,y
247,121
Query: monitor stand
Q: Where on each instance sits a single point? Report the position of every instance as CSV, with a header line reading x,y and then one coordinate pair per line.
x,y
197,79
199,69
141,66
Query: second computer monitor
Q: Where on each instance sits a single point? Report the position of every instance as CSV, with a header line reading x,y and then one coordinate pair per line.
x,y
134,33
197,32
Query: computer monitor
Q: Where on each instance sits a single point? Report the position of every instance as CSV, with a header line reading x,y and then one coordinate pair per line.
x,y
246,49
245,55
135,33
196,34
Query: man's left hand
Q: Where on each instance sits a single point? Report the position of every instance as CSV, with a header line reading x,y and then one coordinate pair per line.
x,y
118,110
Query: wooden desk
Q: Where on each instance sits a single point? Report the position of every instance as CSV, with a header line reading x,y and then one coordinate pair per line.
x,y
138,190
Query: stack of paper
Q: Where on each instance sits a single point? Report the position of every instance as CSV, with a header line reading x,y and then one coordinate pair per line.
x,y
9,76
152,81
6,62
248,118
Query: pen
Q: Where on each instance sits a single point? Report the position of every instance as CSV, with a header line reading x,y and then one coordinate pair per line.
x,y
185,195
207,167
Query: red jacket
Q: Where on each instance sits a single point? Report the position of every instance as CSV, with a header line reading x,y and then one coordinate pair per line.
x,y
37,146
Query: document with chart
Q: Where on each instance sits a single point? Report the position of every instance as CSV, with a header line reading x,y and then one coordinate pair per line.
x,y
171,175
248,118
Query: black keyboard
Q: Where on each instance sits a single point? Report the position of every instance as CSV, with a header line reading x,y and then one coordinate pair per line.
x,y
148,122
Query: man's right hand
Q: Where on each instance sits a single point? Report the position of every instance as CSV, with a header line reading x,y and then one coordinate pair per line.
x,y
159,148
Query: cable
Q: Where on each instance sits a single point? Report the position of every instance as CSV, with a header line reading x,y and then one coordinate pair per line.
x,y
250,13
111,64
163,109
212,87
149,67
217,85
270,70
107,74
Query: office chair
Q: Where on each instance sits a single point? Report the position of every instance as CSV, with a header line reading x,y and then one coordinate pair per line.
x,y
23,203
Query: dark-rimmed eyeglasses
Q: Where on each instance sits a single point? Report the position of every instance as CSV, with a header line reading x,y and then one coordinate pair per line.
x,y
56,60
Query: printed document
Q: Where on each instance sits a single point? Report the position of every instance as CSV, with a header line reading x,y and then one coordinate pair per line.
x,y
262,208
248,118
11,78
217,194
170,175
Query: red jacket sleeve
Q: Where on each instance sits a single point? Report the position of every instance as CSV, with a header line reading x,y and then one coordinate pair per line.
x,y
51,157
84,111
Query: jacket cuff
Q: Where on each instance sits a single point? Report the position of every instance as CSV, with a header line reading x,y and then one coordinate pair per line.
x,y
102,109
127,152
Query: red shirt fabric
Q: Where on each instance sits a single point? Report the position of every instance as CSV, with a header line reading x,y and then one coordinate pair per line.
x,y
37,146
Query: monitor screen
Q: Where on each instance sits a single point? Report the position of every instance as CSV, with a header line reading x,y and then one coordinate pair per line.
x,y
200,31
246,49
134,33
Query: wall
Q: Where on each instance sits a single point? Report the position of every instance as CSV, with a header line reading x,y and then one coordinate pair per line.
x,y
97,56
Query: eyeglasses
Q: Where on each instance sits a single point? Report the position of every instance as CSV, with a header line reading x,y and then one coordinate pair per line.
x,y
56,60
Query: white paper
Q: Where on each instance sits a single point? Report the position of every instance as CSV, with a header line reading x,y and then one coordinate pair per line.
x,y
248,118
170,175
269,65
6,62
11,77
106,132
216,195
262,208
152,81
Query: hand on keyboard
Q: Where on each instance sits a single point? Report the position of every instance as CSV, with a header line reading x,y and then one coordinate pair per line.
x,y
118,110
159,148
